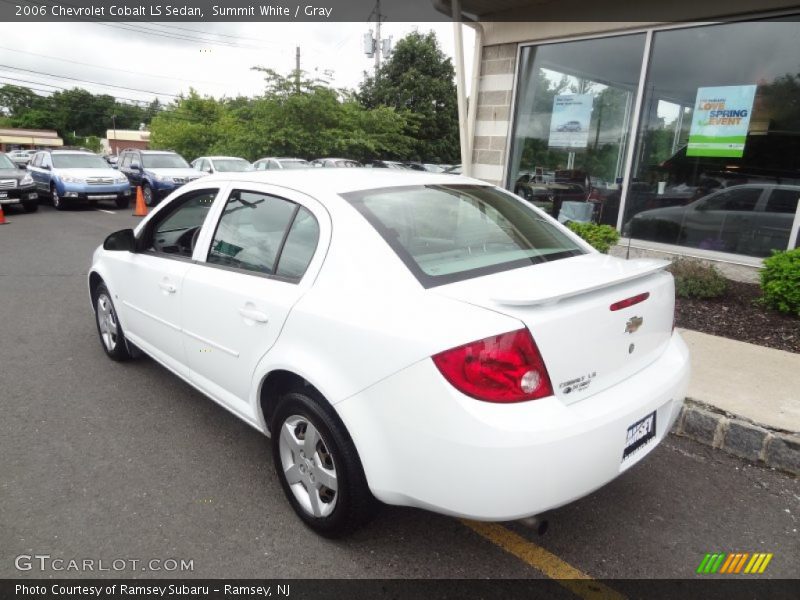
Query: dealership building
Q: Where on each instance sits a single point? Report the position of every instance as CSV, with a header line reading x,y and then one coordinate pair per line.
x,y
685,136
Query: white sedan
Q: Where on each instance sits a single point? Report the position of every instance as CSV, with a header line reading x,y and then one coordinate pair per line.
x,y
420,339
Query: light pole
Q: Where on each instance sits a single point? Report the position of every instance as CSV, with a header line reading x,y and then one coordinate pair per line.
x,y
114,125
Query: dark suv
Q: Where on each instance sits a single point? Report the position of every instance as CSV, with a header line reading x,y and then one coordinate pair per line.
x,y
16,186
159,172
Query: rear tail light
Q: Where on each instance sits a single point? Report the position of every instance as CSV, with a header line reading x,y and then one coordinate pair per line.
x,y
501,368
630,301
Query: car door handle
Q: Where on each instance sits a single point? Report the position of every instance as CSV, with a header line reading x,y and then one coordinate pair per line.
x,y
253,315
167,287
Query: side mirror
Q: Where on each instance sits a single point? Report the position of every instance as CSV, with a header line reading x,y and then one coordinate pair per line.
x,y
47,167
135,166
122,240
22,166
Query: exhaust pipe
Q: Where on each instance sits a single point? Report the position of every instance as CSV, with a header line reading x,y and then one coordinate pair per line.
x,y
538,523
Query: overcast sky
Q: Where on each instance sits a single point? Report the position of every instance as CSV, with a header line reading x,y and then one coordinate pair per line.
x,y
213,58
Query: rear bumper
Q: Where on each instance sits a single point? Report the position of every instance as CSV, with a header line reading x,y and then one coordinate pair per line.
x,y
424,444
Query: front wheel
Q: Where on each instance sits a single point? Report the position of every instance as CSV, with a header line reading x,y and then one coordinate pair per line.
x,y
147,192
318,466
108,326
58,202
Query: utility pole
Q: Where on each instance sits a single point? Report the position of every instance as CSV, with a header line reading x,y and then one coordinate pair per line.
x,y
114,125
377,47
297,71
377,37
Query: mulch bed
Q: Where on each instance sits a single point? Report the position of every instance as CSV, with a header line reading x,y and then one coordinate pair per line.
x,y
736,316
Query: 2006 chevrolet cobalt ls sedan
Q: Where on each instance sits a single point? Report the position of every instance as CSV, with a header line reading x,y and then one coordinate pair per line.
x,y
423,340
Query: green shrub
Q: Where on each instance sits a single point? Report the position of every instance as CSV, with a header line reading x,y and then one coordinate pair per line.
x,y
780,281
695,279
602,237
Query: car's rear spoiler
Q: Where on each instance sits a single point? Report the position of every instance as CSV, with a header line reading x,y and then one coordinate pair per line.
x,y
573,282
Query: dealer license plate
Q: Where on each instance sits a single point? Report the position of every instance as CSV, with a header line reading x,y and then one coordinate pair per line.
x,y
639,435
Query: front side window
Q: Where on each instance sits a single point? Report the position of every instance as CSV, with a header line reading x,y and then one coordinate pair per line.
x,y
176,231
446,233
711,124
252,235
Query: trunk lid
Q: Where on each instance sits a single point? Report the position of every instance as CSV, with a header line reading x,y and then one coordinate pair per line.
x,y
566,305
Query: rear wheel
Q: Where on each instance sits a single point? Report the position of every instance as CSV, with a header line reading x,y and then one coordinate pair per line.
x,y
318,465
108,326
58,201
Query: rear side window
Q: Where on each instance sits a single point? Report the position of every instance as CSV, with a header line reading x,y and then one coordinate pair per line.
x,y
264,234
447,233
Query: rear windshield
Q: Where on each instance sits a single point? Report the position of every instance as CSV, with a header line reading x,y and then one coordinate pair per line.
x,y
294,164
447,233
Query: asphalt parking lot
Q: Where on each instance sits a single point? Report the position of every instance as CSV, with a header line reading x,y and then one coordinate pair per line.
x,y
103,460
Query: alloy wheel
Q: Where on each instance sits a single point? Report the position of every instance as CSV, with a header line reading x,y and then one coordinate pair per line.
x,y
308,466
107,322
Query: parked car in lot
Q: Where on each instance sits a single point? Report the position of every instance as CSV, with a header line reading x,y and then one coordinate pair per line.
x,y
276,164
17,187
388,164
420,339
744,219
335,163
21,157
71,176
158,172
221,164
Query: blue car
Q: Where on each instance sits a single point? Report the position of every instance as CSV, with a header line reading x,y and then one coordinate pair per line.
x,y
72,176
158,172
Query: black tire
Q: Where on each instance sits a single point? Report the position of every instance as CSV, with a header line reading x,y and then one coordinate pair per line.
x,y
149,197
123,202
115,346
354,503
58,201
30,207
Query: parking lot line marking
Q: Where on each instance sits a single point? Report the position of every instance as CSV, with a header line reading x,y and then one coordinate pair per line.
x,y
576,581
108,212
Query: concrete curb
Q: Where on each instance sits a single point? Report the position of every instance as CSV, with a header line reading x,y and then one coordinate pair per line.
x,y
739,436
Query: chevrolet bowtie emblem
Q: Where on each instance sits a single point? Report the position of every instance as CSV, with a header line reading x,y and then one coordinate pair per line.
x,y
633,324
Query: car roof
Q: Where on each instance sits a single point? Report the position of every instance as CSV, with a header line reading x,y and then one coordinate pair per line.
x,y
340,181
221,158
71,152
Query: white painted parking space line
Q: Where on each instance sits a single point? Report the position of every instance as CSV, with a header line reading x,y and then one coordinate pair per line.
x,y
108,212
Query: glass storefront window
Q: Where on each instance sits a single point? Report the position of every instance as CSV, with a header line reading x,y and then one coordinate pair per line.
x,y
573,114
716,164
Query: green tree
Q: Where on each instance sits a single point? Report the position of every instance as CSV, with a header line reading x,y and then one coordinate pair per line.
x,y
418,81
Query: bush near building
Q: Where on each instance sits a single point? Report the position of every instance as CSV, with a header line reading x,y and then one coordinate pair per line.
x,y
601,237
695,279
780,281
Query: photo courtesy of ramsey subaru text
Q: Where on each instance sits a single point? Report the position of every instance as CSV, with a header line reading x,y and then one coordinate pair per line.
x,y
403,337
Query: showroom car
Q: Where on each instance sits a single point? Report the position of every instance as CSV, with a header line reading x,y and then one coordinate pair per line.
x,y
72,176
403,337
17,187
746,219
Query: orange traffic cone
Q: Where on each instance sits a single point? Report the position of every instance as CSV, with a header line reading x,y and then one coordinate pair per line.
x,y
2,216
141,207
